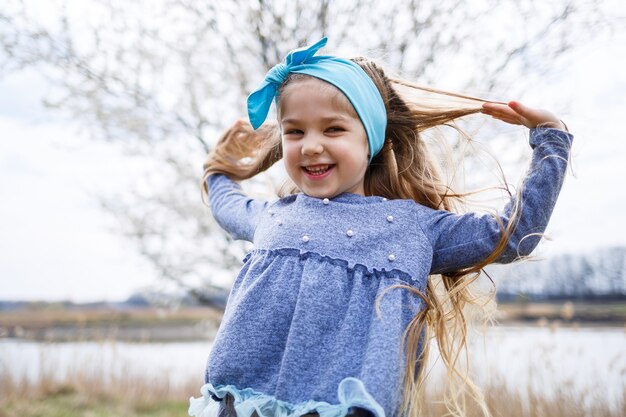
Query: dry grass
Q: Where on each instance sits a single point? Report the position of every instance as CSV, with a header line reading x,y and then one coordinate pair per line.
x,y
526,404
126,388
50,324
48,316
605,313
86,395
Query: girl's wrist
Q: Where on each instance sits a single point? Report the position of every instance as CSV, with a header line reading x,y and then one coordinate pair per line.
x,y
560,125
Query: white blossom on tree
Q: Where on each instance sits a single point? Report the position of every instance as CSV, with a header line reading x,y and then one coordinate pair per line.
x,y
164,77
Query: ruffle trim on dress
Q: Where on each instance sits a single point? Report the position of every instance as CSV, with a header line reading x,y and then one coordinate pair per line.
x,y
392,273
351,393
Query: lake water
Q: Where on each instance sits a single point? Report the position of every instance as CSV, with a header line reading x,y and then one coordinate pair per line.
x,y
174,364
588,362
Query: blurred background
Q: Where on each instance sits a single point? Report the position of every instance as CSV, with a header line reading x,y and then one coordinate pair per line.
x,y
113,275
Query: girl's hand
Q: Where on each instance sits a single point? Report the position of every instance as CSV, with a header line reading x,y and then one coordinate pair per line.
x,y
518,114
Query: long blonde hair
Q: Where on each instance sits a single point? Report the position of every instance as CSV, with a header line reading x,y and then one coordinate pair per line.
x,y
403,169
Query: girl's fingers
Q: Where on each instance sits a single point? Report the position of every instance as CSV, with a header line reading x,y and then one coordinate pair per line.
x,y
511,120
518,107
491,107
516,113
498,109
504,113
523,110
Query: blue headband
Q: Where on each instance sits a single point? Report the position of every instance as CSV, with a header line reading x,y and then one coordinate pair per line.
x,y
346,75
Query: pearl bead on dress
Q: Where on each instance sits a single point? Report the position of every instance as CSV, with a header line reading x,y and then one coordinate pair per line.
x,y
391,258
389,219
305,238
325,201
350,233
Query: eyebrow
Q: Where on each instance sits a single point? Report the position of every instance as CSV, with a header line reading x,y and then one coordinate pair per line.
x,y
323,119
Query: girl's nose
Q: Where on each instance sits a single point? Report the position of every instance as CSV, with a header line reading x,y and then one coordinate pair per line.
x,y
312,145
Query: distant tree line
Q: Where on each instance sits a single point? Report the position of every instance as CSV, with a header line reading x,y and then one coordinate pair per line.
x,y
598,275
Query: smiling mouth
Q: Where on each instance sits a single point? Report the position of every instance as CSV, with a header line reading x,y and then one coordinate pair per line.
x,y
318,169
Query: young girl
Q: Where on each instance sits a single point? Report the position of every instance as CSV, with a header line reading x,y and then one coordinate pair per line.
x,y
307,330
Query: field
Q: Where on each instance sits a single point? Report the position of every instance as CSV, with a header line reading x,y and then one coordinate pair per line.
x,y
82,397
605,313
54,323
82,390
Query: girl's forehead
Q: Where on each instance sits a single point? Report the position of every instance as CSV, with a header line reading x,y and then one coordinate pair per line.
x,y
305,88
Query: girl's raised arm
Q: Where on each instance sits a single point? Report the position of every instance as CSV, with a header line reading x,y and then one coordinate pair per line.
x,y
234,211
460,241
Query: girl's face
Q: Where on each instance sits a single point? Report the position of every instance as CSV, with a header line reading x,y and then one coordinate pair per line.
x,y
325,149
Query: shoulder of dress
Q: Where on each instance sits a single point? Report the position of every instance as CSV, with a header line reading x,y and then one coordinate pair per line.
x,y
288,199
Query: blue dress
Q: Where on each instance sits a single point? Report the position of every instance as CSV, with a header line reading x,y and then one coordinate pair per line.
x,y
300,333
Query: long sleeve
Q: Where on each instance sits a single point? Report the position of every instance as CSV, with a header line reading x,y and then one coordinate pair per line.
x,y
232,209
462,240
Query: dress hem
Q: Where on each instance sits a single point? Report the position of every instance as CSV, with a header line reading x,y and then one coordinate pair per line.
x,y
351,393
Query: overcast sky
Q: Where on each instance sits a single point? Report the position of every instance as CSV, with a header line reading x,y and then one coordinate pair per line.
x,y
55,243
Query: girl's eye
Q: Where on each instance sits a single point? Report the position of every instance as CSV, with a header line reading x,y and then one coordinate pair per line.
x,y
293,132
336,129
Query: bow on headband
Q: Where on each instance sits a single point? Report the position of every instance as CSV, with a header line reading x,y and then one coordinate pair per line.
x,y
344,74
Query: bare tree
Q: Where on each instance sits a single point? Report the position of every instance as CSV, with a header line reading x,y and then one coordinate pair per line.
x,y
163,77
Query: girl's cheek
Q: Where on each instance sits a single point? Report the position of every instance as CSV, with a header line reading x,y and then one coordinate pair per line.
x,y
290,153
